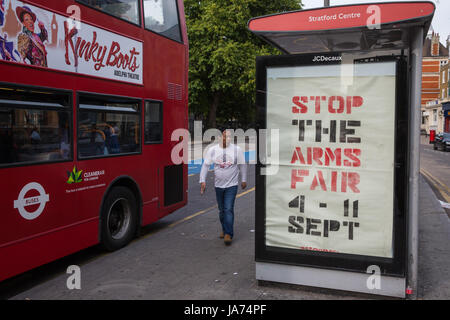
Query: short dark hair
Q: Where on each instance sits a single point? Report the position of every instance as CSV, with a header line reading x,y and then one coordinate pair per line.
x,y
223,130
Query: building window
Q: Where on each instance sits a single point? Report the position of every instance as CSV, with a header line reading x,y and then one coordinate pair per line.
x,y
448,80
124,9
161,16
153,122
35,126
434,115
108,126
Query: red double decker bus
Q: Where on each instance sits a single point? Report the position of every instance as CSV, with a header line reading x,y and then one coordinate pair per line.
x,y
90,92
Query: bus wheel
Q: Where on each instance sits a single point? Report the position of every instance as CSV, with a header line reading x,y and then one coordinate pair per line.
x,y
119,218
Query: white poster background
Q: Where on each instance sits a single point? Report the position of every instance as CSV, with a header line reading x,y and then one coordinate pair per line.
x,y
55,45
375,82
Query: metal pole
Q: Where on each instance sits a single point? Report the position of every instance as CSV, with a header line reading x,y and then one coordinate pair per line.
x,y
326,3
415,118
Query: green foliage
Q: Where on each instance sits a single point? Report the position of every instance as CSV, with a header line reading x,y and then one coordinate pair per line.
x,y
223,52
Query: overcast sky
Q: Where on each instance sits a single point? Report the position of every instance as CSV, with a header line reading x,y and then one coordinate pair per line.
x,y
440,24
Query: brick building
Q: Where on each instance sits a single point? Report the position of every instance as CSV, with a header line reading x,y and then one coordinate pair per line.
x,y
435,59
445,96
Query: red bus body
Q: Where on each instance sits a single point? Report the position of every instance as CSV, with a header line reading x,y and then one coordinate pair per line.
x,y
70,219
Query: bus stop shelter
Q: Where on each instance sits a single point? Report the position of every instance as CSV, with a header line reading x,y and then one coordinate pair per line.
x,y
338,171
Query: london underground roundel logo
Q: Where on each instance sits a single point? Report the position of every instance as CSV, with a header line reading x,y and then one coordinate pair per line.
x,y
21,203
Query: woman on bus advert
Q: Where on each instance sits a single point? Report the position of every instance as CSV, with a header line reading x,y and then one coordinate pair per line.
x,y
30,44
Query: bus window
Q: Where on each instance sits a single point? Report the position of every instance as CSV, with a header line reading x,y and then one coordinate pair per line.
x,y
34,126
108,126
124,9
162,17
153,122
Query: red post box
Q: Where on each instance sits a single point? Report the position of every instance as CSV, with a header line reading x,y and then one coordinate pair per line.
x,y
432,135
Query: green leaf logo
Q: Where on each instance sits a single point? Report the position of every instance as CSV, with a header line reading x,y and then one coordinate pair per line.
x,y
74,176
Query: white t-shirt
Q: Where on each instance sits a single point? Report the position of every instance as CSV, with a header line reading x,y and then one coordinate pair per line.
x,y
228,163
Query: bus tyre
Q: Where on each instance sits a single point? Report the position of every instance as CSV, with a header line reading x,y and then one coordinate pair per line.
x,y
118,218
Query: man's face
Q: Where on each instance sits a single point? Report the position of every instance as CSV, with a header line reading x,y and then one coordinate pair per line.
x,y
226,138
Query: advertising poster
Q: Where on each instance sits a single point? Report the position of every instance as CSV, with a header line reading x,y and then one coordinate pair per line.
x,y
334,189
33,36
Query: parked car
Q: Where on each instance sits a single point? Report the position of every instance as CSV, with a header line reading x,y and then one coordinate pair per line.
x,y
442,141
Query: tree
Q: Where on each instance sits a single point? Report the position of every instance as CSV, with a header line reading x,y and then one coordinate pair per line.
x,y
222,55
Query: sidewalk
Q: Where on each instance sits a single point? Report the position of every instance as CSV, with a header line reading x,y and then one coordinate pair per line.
x,y
434,247
187,260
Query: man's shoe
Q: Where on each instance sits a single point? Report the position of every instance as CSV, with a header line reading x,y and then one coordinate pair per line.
x,y
227,239
221,235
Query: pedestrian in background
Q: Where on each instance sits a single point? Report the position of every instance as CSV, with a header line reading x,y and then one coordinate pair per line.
x,y
229,162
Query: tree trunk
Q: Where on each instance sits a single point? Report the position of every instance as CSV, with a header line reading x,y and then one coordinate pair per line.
x,y
213,111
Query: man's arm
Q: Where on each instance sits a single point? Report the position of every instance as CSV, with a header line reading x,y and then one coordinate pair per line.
x,y
204,171
242,167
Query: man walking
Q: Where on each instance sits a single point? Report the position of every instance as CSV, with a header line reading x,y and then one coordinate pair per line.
x,y
229,161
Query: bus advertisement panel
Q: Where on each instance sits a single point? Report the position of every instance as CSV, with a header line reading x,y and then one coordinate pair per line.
x,y
35,36
334,190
